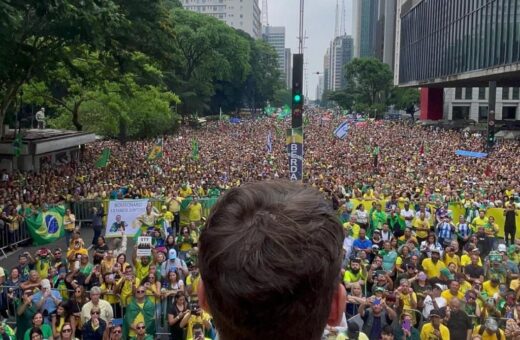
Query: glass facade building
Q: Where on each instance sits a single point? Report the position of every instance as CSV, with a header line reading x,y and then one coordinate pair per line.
x,y
444,38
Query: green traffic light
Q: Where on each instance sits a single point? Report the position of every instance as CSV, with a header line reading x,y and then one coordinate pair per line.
x,y
297,98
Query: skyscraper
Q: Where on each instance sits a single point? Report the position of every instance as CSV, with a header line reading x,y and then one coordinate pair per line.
x,y
240,14
365,24
326,71
288,68
341,53
275,36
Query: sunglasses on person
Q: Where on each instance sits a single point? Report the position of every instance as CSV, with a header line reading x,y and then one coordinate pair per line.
x,y
94,313
140,291
116,331
140,327
66,330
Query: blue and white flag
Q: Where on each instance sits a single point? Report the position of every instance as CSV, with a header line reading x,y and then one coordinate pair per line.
x,y
269,143
471,154
342,130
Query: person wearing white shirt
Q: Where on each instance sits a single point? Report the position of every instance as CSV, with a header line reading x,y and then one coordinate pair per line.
x,y
106,314
407,214
434,301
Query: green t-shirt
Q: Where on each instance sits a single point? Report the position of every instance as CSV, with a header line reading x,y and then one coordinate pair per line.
x,y
24,321
46,330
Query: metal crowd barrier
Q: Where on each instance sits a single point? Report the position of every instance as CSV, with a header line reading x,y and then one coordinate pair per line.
x,y
12,238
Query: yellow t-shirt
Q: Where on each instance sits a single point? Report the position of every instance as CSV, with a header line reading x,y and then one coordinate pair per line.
x,y
486,336
194,283
490,290
427,332
455,259
353,229
109,297
447,295
185,192
42,267
168,216
464,287
479,222
138,318
421,227
431,269
514,284
194,319
126,291
141,271
407,300
195,212
466,259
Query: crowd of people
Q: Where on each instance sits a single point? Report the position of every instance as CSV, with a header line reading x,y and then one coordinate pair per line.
x,y
410,270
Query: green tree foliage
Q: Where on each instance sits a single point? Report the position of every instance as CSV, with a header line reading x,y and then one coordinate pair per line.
x,y
406,99
120,67
282,97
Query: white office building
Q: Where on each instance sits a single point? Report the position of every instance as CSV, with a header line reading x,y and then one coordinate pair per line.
x,y
240,14
472,103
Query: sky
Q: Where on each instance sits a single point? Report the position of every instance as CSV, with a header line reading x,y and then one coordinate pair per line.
x,y
319,23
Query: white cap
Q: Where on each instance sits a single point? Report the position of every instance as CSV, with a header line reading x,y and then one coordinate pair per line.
x,y
45,283
502,248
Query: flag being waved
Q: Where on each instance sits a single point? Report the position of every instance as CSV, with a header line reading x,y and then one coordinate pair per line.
x,y
269,143
157,150
47,226
342,130
195,150
103,159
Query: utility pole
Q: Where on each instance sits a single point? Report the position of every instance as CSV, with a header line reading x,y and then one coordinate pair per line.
x,y
295,134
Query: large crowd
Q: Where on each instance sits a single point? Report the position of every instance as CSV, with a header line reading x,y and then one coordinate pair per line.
x,y
410,270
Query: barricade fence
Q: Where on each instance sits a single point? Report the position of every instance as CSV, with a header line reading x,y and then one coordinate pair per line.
x,y
11,237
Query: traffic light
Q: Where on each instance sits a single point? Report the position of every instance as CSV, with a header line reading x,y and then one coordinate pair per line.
x,y
297,91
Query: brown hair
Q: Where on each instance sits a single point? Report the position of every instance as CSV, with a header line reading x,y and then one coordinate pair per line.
x,y
270,258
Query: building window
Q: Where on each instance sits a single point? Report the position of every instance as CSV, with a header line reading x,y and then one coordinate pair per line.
x,y
505,93
509,113
469,92
458,93
482,113
460,113
516,93
482,93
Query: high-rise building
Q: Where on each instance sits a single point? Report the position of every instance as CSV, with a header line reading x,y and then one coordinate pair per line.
x,y
326,71
365,24
240,14
341,53
275,36
384,43
320,87
288,68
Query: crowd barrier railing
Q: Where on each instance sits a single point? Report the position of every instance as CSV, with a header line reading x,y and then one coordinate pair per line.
x,y
10,238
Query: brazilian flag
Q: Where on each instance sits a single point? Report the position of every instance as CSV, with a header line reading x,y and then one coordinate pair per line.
x,y
157,150
46,226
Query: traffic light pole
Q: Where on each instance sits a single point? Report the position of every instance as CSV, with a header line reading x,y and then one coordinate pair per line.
x,y
295,134
491,114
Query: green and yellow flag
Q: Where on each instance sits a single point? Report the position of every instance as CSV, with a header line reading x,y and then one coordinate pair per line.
x,y
195,150
103,159
157,150
46,226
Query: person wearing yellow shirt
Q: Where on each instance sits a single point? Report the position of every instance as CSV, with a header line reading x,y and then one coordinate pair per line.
x,y
465,259
433,266
434,329
140,310
421,226
195,211
127,285
453,292
352,228
451,257
185,191
491,287
195,316
480,221
489,330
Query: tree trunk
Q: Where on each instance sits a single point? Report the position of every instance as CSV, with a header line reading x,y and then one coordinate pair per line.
x,y
75,117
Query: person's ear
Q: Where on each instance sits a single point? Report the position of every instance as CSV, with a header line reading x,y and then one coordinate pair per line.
x,y
201,293
337,306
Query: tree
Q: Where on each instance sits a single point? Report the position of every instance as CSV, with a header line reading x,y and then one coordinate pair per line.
x,y
282,97
264,79
406,99
34,34
369,82
344,99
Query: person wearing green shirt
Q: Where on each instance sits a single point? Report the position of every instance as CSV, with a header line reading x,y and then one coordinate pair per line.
x,y
37,321
25,311
140,310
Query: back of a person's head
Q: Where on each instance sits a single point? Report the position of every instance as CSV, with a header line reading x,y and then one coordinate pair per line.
x,y
270,258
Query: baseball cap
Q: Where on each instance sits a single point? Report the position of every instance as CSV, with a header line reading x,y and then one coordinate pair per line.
x,y
172,254
502,248
421,276
379,289
438,286
435,250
